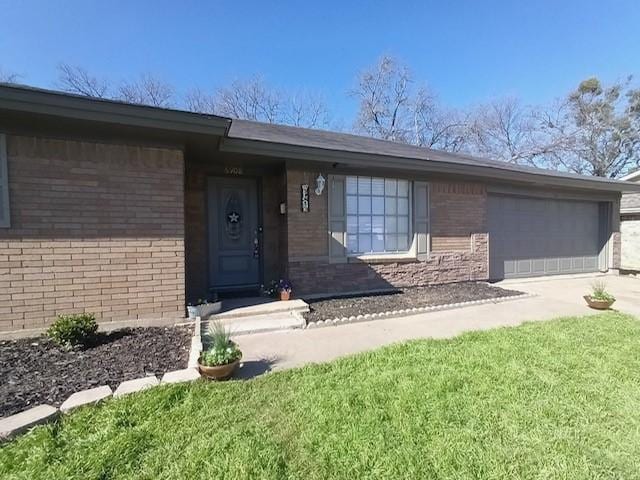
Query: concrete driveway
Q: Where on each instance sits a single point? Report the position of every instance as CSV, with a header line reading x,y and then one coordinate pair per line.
x,y
555,297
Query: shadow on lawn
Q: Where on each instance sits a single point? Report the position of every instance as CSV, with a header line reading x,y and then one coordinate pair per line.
x,y
254,368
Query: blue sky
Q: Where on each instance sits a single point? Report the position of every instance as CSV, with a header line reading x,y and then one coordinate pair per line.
x,y
466,51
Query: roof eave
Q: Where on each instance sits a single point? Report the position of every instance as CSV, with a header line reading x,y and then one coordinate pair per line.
x,y
297,152
45,102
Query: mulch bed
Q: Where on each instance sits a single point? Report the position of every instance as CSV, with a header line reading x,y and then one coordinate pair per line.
x,y
35,371
410,297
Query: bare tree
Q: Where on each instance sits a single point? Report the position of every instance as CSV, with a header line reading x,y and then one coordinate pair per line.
x,y
249,100
504,129
254,100
391,108
435,127
385,104
77,80
305,109
8,77
199,101
147,90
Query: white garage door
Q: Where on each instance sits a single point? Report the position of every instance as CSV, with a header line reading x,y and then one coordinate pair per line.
x,y
537,236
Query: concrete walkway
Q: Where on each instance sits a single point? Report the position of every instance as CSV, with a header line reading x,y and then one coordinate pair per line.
x,y
556,297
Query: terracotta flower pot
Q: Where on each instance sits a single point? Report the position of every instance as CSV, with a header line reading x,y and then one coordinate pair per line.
x,y
598,304
285,295
219,372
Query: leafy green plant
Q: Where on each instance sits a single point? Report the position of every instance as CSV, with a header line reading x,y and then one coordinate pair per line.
x,y
222,350
599,292
70,331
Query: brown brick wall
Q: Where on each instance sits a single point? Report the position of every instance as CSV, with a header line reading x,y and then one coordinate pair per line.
x,y
94,228
458,229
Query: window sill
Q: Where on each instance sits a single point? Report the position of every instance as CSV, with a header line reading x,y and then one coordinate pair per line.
x,y
383,258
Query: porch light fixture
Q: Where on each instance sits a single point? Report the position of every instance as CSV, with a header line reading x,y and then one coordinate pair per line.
x,y
320,182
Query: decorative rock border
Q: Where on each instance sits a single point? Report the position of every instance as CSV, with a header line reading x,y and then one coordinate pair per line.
x,y
332,322
20,422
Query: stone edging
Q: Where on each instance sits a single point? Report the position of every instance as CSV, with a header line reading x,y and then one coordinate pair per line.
x,y
20,422
332,322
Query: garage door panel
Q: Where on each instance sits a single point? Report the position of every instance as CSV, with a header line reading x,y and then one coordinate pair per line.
x,y
534,236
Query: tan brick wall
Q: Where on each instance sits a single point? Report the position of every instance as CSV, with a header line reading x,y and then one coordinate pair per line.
x,y
94,228
307,231
457,211
458,232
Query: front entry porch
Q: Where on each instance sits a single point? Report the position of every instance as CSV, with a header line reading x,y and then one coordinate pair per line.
x,y
259,315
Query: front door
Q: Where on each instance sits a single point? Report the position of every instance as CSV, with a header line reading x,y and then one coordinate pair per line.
x,y
234,254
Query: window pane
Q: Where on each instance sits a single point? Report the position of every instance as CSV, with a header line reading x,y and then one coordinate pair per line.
x,y
352,224
364,224
377,224
390,225
389,187
377,186
364,185
378,243
403,206
352,243
364,205
403,224
390,206
377,205
352,204
378,214
352,185
402,242
403,188
364,243
390,243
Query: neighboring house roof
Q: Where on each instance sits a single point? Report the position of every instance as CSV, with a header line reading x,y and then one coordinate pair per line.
x,y
630,202
288,142
632,177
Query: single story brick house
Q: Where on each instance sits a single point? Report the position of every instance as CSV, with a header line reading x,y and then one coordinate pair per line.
x,y
130,211
630,226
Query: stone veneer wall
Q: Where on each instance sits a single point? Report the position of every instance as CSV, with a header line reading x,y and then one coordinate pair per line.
x,y
458,221
95,227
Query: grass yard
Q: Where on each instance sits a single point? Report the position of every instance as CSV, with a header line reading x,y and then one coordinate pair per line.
x,y
557,399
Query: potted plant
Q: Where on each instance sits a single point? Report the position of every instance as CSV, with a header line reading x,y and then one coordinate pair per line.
x,y
280,289
599,299
284,289
203,307
192,310
222,356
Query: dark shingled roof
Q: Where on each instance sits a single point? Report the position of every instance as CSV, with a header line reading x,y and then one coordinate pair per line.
x,y
343,142
285,141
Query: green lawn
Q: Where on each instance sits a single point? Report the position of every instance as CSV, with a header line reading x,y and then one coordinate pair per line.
x,y
557,399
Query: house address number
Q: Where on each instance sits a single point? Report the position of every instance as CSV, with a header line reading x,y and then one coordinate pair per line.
x,y
233,170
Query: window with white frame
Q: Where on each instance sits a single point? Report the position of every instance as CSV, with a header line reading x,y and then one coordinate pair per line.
x,y
378,215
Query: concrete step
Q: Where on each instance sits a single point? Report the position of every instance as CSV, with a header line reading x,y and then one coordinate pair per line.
x,y
250,307
269,322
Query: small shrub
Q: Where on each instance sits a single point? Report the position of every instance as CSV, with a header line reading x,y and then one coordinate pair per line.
x,y
70,331
599,292
222,349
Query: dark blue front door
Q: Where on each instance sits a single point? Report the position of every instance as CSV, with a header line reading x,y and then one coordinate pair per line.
x,y
233,233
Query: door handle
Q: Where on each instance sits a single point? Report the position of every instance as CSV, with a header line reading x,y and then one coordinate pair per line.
x,y
256,243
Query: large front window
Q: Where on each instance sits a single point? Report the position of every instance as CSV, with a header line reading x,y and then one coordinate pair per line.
x,y
378,215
